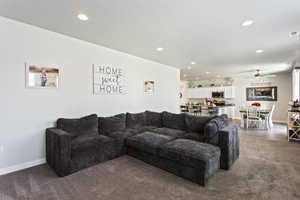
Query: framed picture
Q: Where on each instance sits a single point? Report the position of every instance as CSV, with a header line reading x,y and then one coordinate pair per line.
x,y
149,87
261,94
41,77
109,80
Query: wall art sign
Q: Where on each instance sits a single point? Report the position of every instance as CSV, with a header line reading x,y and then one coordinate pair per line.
x,y
149,87
41,77
108,80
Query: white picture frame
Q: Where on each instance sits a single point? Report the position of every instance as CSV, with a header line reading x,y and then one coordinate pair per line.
x,y
149,87
42,77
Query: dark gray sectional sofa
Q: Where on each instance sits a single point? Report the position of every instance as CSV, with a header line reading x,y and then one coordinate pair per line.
x,y
193,147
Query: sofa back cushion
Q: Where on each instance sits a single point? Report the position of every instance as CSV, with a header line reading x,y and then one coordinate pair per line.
x,y
213,126
175,121
196,123
153,119
135,120
211,133
221,121
112,124
87,125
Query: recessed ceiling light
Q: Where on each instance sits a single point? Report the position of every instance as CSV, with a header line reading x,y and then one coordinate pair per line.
x,y
247,23
207,72
193,63
189,67
82,17
159,49
259,51
294,33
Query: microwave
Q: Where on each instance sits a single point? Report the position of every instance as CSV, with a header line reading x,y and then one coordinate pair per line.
x,y
217,94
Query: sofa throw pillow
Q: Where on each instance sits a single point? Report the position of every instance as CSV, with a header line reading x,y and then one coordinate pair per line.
x,y
211,133
135,120
153,119
175,121
69,125
111,124
221,121
87,125
196,123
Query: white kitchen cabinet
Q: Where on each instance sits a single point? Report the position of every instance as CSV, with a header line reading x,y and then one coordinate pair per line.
x,y
205,92
199,93
192,93
228,110
229,92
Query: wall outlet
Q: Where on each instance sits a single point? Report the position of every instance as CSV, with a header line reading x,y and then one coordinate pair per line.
x,y
1,148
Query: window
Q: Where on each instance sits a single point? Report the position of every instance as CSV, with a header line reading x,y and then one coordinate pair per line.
x,y
296,84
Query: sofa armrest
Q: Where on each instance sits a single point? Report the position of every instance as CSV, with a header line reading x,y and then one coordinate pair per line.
x,y
229,144
58,150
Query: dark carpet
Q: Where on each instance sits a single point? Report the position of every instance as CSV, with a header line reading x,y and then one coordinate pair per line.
x,y
268,168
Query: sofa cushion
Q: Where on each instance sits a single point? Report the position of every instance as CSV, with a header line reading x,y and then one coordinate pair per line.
x,y
112,124
122,135
191,153
153,119
148,141
85,141
196,123
211,132
135,120
142,129
194,136
175,121
90,150
170,132
221,121
87,125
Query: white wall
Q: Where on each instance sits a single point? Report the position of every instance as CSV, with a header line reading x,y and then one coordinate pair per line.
x,y
25,113
283,81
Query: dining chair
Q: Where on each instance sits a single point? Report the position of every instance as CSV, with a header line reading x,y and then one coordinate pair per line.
x,y
196,109
253,116
184,109
268,118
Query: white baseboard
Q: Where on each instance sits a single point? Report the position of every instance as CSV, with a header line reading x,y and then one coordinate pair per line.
x,y
279,121
21,166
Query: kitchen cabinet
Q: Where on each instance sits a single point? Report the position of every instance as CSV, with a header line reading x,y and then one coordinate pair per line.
x,y
205,92
199,93
229,92
228,110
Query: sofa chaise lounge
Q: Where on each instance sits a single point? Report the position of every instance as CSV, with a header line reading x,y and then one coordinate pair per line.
x,y
193,147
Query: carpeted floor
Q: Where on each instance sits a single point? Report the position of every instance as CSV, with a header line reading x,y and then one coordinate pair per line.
x,y
268,168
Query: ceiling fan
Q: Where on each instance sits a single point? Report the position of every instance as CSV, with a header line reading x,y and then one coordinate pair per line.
x,y
258,74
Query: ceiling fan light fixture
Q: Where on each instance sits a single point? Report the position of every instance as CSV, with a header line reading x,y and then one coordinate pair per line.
x,y
247,23
82,17
294,33
259,51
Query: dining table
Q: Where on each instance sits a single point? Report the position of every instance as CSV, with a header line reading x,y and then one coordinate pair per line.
x,y
262,111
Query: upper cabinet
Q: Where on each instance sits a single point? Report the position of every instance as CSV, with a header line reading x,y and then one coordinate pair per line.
x,y
198,93
205,92
229,92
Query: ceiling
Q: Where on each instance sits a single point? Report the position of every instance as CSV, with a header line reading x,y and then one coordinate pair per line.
x,y
208,32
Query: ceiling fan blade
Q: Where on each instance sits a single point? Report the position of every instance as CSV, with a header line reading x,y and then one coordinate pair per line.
x,y
269,75
247,71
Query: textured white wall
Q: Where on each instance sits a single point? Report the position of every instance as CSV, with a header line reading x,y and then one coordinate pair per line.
x,y
25,113
283,81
